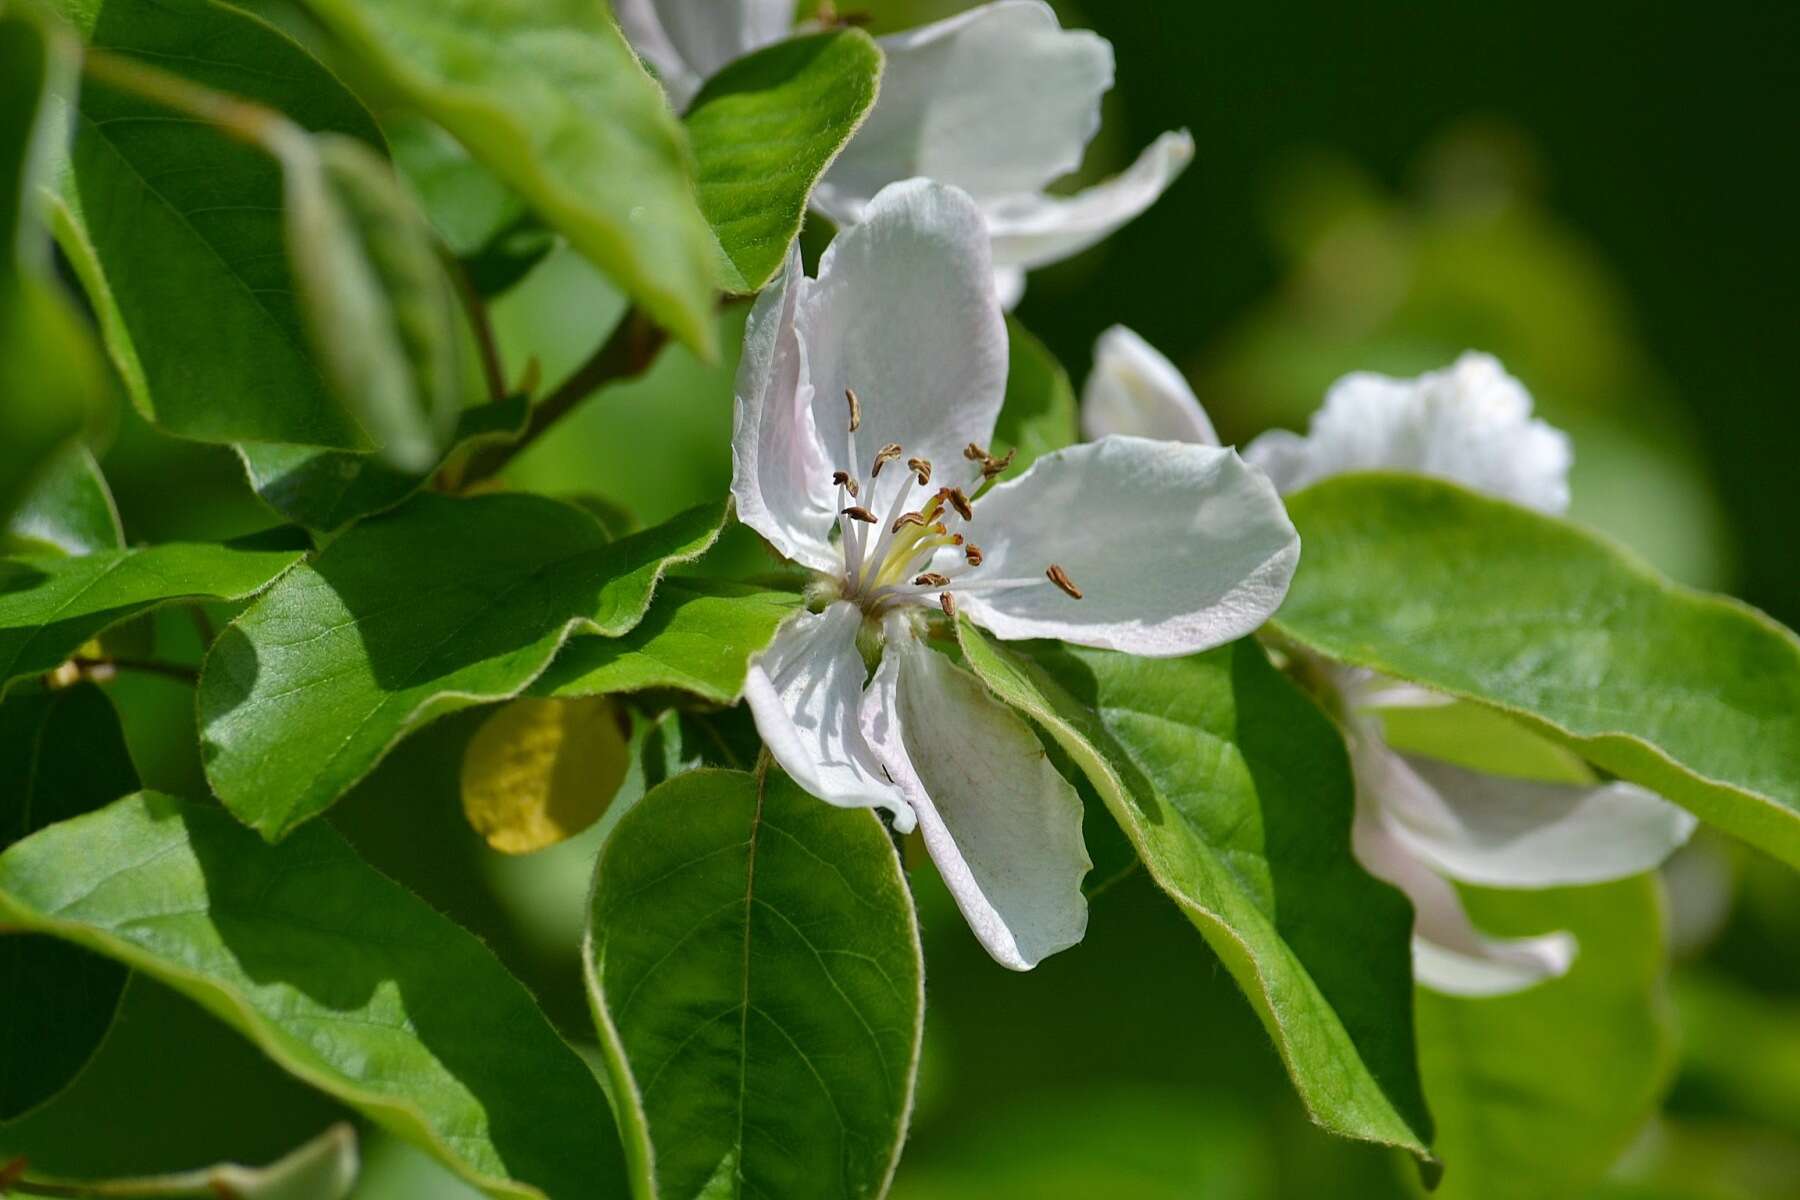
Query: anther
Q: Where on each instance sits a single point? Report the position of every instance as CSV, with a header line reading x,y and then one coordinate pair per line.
x,y
972,552
932,579
857,512
842,479
920,467
993,466
960,503
1061,579
974,453
911,518
855,409
886,454
947,602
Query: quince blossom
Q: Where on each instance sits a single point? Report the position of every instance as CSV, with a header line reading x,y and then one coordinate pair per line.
x,y
999,101
1422,822
865,403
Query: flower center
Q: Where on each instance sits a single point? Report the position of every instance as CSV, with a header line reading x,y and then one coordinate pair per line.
x,y
894,560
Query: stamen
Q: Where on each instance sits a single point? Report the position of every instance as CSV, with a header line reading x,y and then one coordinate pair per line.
x,y
972,552
843,480
911,518
974,453
960,503
920,467
857,512
932,579
947,602
1061,579
993,466
886,454
855,411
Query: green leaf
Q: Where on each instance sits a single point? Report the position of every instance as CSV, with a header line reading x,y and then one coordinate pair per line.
x,y
381,312
764,129
546,94
51,378
176,230
69,510
1537,1094
1236,793
50,605
441,604
327,489
1038,414
699,637
754,966
61,754
1695,696
341,976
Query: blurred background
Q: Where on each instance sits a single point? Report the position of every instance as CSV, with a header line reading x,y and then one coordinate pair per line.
x,y
1601,195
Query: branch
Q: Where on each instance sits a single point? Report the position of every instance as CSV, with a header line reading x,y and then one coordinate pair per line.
x,y
626,354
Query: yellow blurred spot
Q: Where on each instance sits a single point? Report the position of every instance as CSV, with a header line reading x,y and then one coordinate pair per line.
x,y
540,771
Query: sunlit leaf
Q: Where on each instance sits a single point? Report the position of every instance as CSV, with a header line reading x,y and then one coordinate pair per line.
x,y
753,961
340,975
439,605
764,130
1695,696
69,509
546,94
1236,793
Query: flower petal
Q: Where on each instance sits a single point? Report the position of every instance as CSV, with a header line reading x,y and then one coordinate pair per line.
x,y
805,692
1449,954
1133,389
1030,230
997,100
1470,423
1520,833
1003,827
1176,548
779,477
904,312
687,40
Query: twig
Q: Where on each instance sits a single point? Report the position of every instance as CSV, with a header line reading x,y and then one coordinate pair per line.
x,y
476,309
148,666
626,354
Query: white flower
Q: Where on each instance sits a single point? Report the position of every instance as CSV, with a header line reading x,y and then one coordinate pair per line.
x,y
999,101
1149,547
1420,821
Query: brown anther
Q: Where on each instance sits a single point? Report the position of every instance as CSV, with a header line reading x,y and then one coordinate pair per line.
x,y
855,409
857,512
960,503
932,579
956,539
974,453
911,518
947,602
842,479
920,467
939,529
993,466
972,552
1061,579
886,454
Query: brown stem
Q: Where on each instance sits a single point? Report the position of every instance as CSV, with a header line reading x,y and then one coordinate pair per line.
x,y
491,368
149,666
626,354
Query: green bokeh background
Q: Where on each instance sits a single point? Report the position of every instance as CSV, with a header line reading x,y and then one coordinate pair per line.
x,y
1602,195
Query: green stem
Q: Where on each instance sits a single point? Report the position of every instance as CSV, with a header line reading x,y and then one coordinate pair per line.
x,y
247,121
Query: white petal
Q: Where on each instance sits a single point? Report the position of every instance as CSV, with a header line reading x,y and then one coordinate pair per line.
x,y
997,100
1030,230
904,312
688,40
1133,389
1470,423
1502,832
1003,827
1176,548
1449,954
1009,285
805,692
780,479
